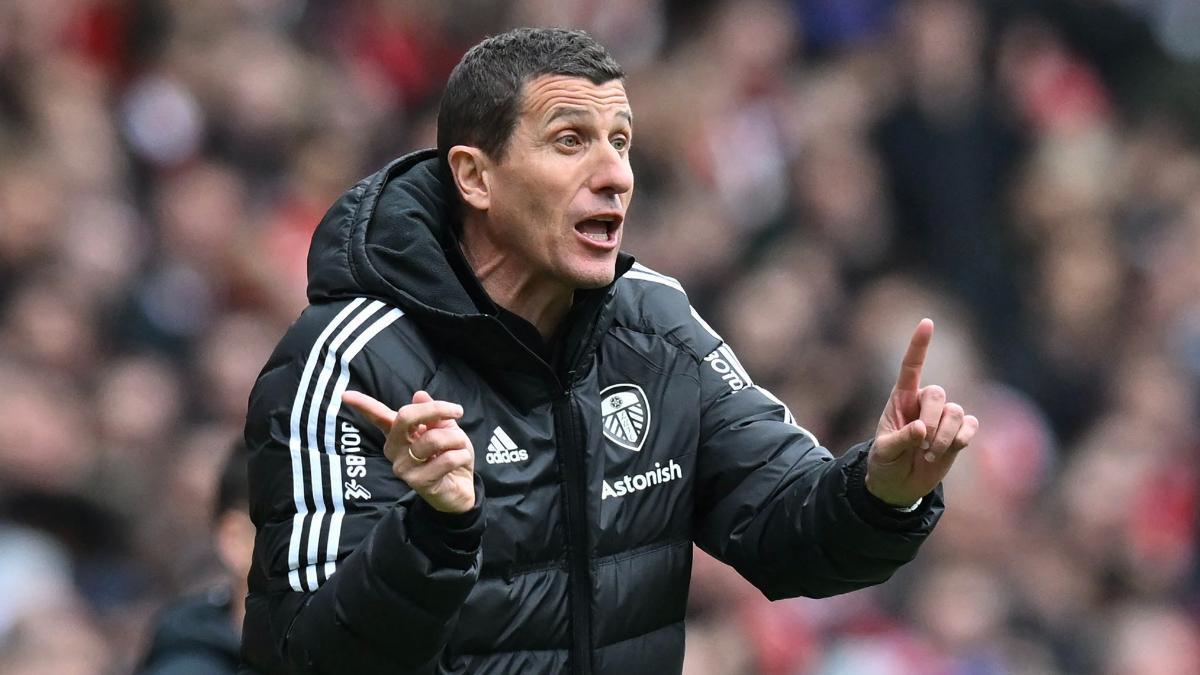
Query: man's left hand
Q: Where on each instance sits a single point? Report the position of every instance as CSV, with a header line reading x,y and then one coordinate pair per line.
x,y
920,432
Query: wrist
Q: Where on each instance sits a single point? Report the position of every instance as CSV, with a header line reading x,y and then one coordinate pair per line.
x,y
457,507
450,538
901,503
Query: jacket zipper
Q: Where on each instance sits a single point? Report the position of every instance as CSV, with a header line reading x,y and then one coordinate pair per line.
x,y
571,447
579,581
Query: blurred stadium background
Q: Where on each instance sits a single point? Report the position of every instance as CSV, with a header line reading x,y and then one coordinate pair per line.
x,y
819,173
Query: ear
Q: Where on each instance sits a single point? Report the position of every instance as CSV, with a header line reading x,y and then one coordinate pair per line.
x,y
470,167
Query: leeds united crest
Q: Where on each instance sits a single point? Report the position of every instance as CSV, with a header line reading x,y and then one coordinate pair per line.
x,y
625,414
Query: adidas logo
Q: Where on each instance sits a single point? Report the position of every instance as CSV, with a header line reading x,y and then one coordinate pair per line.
x,y
502,450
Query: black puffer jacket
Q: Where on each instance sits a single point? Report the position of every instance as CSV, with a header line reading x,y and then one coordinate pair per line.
x,y
595,473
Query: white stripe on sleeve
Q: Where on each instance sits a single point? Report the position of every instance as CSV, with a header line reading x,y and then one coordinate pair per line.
x,y
335,459
788,417
735,364
643,273
318,516
298,492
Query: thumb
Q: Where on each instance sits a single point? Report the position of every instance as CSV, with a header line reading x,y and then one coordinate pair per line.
x,y
891,446
422,396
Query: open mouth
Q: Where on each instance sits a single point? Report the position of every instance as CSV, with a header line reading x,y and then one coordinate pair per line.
x,y
599,228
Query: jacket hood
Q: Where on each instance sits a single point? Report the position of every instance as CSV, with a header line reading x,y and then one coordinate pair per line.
x,y
391,237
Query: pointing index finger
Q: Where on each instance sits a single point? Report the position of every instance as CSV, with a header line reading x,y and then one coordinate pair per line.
x,y
377,413
914,357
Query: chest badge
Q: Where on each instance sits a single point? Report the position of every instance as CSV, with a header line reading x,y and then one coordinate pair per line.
x,y
625,414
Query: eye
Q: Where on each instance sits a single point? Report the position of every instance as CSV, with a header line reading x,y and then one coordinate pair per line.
x,y
621,143
569,140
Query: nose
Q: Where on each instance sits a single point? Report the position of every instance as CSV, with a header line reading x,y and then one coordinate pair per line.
x,y
611,173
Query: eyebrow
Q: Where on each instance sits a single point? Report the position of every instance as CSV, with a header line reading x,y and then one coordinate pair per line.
x,y
575,111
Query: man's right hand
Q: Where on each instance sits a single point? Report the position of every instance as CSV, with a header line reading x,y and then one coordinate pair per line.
x,y
427,448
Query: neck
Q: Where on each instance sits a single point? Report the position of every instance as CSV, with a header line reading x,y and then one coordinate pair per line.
x,y
513,286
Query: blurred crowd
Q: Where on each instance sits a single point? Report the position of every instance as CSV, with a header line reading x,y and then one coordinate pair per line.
x,y
818,173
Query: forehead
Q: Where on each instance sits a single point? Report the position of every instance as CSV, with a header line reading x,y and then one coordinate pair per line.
x,y
546,94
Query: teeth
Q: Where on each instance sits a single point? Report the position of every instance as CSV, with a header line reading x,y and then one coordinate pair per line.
x,y
597,237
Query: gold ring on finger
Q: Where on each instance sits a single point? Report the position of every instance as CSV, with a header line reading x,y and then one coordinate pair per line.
x,y
418,460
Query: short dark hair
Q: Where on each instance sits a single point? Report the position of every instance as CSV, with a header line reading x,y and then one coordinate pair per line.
x,y
483,94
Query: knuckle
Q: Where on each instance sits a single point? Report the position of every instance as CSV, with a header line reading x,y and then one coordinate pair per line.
x,y
935,393
954,410
435,435
452,439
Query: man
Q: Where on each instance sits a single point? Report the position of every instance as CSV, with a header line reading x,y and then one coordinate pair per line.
x,y
199,635
475,298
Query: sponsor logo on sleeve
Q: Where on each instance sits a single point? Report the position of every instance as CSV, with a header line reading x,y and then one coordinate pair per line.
x,y
350,447
726,365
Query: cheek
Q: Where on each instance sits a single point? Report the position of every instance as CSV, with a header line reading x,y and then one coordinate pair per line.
x,y
531,196
547,205
537,200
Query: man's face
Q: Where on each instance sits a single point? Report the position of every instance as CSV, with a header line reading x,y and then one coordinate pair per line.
x,y
558,197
